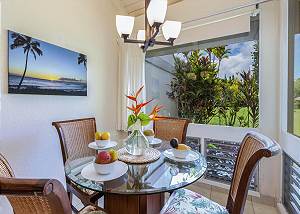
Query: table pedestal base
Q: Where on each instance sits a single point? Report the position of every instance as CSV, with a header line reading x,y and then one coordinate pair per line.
x,y
134,204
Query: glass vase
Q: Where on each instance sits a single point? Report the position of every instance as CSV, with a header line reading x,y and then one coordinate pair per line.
x,y
136,143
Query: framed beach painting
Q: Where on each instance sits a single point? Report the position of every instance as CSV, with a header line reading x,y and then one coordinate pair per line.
x,y
37,67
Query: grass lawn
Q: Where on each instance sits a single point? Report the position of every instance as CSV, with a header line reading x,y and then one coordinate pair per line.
x,y
297,122
243,112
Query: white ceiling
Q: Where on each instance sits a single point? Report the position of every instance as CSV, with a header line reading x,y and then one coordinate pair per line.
x,y
136,7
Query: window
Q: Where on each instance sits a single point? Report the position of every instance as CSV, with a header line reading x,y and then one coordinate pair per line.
x,y
294,68
210,82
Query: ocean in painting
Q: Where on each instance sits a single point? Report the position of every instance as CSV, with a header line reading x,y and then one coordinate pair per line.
x,y
37,67
51,87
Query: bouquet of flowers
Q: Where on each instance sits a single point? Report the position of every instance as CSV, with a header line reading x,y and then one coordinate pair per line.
x,y
138,118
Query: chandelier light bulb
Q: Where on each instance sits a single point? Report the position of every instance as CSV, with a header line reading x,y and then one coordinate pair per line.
x,y
141,35
124,24
156,11
171,29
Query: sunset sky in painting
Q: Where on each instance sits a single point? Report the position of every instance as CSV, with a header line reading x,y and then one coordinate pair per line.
x,y
55,63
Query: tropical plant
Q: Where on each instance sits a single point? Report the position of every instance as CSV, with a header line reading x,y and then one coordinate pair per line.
x,y
138,117
201,95
297,88
29,45
250,92
195,87
230,100
82,59
220,53
249,87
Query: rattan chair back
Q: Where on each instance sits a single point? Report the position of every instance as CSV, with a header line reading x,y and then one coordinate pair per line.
x,y
5,168
253,148
29,196
74,136
168,128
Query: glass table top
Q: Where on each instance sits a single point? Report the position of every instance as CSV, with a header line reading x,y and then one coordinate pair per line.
x,y
160,176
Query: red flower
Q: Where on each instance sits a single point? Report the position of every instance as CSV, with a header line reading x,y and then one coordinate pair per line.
x,y
137,107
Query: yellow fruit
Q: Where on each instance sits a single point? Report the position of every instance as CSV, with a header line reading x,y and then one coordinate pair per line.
x,y
183,147
98,136
105,136
148,133
113,155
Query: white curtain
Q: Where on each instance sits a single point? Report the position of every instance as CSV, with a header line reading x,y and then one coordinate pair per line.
x,y
131,77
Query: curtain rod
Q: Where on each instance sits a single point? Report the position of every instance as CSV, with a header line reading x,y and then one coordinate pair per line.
x,y
229,10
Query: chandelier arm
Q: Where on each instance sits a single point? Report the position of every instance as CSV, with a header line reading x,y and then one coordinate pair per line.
x,y
134,41
168,43
151,32
156,27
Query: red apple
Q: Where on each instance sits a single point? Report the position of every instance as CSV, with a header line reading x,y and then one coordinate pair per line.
x,y
103,158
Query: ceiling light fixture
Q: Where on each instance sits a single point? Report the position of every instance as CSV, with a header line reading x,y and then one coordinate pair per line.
x,y
155,13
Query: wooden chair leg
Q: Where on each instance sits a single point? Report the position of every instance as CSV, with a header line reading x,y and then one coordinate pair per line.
x,y
70,197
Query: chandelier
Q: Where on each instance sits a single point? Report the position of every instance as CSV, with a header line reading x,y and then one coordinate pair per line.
x,y
155,13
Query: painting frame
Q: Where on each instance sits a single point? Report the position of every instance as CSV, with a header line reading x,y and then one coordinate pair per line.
x,y
41,68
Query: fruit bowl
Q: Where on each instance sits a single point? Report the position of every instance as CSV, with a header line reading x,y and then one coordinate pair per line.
x,y
105,161
180,153
179,150
104,168
149,134
102,143
150,138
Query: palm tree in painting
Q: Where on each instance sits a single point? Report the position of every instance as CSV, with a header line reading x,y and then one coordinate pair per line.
x,y
82,59
29,46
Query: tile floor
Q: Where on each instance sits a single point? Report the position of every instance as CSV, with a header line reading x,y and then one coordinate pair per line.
x,y
217,195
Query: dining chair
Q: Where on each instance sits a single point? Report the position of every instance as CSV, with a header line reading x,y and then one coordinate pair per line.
x,y
254,147
167,128
36,196
74,137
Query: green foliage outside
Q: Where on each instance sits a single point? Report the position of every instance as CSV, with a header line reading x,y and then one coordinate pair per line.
x,y
297,87
297,93
205,98
297,122
297,107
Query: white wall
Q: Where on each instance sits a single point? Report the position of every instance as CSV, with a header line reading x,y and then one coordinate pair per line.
x,y
269,94
157,86
27,138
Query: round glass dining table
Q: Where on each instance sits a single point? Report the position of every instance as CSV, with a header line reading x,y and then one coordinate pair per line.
x,y
142,188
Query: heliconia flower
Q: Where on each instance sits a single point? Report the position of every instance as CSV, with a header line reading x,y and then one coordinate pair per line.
x,y
131,108
137,107
156,109
139,91
144,104
131,97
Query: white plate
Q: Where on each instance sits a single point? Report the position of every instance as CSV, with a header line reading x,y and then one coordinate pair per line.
x,y
192,156
109,145
89,172
155,141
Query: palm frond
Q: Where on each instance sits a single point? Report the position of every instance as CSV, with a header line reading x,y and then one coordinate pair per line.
x,y
37,50
33,53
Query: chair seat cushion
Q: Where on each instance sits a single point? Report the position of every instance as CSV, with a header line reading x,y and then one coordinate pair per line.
x,y
184,201
91,210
